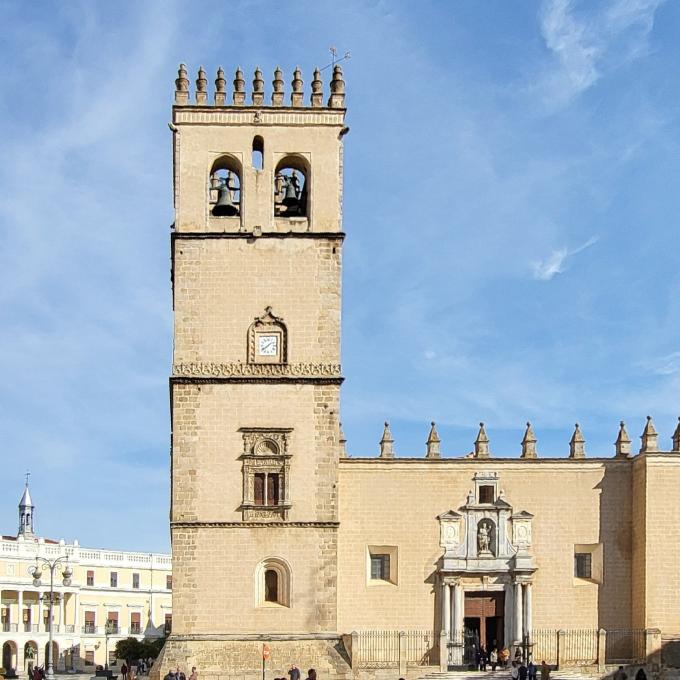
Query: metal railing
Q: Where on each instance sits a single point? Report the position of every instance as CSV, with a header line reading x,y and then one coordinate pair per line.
x,y
89,629
8,627
394,648
625,646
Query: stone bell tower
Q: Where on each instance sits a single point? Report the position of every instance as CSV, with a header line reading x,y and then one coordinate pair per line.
x,y
256,274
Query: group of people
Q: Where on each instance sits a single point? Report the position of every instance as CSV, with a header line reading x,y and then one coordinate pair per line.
x,y
491,656
178,674
528,670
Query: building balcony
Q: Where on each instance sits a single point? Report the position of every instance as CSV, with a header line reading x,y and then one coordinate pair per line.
x,y
31,627
8,627
89,629
135,629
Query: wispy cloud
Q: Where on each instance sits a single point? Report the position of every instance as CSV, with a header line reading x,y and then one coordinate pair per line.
x,y
556,262
588,45
665,365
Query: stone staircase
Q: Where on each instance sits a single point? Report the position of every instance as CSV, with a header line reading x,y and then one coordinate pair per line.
x,y
564,674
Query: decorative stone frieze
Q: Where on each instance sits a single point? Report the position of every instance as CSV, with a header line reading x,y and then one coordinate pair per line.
x,y
238,369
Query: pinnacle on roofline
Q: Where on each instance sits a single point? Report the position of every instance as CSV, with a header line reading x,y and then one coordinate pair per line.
x,y
336,98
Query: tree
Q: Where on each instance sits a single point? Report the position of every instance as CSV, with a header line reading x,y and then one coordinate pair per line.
x,y
152,648
129,649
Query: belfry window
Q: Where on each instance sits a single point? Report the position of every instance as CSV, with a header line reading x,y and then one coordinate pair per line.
x,y
291,190
258,153
225,188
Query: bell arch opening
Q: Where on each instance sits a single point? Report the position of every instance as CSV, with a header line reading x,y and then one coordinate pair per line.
x,y
225,187
291,187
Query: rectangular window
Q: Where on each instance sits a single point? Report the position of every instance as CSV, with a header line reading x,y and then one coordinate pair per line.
x,y
583,565
135,623
380,567
135,580
168,582
272,489
89,657
89,623
486,494
168,624
112,622
114,579
259,488
90,578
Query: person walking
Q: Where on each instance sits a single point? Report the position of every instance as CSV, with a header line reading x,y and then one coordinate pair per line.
x,y
194,674
545,671
523,672
493,659
514,671
294,672
311,674
531,670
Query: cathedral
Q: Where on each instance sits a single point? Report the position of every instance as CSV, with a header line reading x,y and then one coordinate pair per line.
x,y
286,548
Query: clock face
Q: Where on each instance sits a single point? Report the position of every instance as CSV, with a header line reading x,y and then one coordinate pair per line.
x,y
267,345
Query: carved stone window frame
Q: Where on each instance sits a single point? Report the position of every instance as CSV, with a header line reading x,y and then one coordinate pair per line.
x,y
268,324
265,450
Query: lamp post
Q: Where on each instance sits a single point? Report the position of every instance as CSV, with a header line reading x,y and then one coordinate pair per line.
x,y
36,573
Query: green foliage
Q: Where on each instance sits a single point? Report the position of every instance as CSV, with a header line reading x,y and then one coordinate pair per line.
x,y
132,649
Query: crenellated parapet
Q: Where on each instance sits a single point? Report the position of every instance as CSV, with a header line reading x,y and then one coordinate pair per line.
x,y
649,443
258,97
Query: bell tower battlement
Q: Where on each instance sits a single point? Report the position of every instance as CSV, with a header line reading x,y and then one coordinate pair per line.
x,y
250,166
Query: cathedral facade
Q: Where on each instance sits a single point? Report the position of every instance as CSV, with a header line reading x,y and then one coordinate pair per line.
x,y
285,548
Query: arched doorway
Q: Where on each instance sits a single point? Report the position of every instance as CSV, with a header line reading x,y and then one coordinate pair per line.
x,y
55,654
9,655
30,655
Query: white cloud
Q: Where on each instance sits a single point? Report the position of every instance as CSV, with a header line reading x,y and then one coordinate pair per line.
x,y
591,44
666,365
555,263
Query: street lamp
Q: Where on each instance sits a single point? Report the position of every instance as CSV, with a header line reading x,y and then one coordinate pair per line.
x,y
36,573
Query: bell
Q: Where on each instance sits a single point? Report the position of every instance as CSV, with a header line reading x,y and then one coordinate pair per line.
x,y
290,198
224,206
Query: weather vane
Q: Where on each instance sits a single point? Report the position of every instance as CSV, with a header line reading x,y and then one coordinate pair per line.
x,y
335,60
28,474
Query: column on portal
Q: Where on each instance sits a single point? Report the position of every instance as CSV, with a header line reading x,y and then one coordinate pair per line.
x,y
518,613
76,613
527,609
457,613
446,609
61,612
20,613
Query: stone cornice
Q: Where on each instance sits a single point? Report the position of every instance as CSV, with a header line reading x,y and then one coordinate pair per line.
x,y
237,369
525,464
252,637
258,115
249,235
252,525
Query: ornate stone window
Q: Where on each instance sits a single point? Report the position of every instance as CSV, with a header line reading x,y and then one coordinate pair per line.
x,y
266,473
267,339
273,583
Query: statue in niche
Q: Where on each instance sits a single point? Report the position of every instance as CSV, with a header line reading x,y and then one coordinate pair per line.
x,y
484,538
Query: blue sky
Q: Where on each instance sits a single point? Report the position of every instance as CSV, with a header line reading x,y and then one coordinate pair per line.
x,y
511,209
